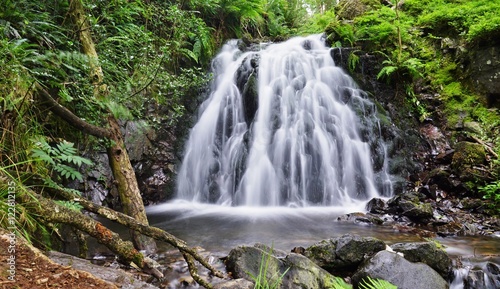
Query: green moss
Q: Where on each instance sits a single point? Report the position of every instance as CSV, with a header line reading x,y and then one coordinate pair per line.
x,y
453,89
476,20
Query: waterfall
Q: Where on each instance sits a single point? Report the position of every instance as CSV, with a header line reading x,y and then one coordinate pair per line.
x,y
283,126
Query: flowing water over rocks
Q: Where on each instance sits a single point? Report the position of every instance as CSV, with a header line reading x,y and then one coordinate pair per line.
x,y
284,126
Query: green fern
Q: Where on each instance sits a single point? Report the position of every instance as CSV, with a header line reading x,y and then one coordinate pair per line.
x,y
60,156
337,283
370,283
72,205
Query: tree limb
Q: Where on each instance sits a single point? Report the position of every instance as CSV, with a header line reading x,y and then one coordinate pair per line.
x,y
487,147
51,212
156,233
70,117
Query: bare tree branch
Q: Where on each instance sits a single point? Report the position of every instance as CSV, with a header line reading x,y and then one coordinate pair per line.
x,y
70,117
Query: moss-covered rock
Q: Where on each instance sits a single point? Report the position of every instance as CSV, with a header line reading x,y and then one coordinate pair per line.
x,y
409,205
466,158
350,9
427,253
343,254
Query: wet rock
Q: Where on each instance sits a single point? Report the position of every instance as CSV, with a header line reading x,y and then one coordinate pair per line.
x,y
484,69
345,253
303,273
414,231
410,205
376,206
435,138
427,253
235,284
440,177
121,278
297,270
493,271
248,85
475,280
400,272
137,136
244,260
450,229
360,218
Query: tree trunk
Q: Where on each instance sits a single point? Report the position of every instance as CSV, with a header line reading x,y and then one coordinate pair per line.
x,y
50,212
119,161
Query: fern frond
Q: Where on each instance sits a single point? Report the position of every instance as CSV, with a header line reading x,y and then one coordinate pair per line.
x,y
68,172
42,156
370,283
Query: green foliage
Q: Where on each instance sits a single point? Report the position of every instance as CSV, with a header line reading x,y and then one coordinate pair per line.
x,y
341,34
337,283
492,192
397,68
262,281
72,205
377,27
370,283
479,23
352,61
14,216
60,157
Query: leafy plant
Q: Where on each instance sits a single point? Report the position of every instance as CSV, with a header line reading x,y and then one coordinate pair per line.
x,y
14,217
370,283
337,283
492,192
396,68
72,205
262,281
60,156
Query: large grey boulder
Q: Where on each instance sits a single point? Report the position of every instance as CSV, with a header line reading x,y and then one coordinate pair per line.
x,y
295,271
345,253
428,253
400,272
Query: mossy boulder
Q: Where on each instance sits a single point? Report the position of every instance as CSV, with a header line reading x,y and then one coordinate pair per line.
x,y
289,270
400,272
410,205
466,158
350,9
427,253
345,253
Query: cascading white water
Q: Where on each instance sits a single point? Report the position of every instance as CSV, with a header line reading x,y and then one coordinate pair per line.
x,y
283,126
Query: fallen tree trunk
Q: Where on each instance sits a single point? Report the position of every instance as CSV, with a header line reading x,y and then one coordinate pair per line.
x,y
153,232
50,212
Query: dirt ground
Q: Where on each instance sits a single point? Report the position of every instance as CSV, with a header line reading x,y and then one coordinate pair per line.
x,y
32,270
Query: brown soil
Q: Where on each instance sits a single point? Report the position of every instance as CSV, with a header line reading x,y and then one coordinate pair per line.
x,y
33,270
